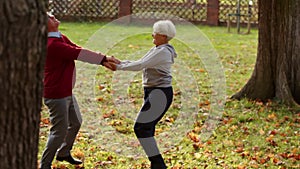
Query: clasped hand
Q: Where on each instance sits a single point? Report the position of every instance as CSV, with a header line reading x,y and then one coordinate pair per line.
x,y
111,62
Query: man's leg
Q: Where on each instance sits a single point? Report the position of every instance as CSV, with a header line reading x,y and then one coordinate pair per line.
x,y
58,109
75,121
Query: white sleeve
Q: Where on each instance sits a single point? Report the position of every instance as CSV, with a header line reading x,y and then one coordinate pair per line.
x,y
149,60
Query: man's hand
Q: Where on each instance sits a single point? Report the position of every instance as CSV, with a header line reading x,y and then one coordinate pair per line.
x,y
113,59
110,65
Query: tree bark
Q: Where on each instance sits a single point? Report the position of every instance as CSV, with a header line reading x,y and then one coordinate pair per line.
x,y
23,39
276,73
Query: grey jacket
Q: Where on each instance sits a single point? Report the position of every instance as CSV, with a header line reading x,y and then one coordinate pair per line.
x,y
156,66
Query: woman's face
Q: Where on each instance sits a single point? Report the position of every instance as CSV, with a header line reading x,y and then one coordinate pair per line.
x,y
159,39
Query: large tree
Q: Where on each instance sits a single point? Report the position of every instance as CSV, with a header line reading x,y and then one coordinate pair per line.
x,y
23,40
277,70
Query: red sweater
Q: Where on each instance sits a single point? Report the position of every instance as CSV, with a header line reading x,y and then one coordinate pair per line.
x,y
60,73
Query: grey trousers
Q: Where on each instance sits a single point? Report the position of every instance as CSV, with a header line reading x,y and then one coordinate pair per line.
x,y
66,120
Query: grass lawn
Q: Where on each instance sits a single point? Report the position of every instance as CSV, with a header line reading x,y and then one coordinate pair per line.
x,y
249,134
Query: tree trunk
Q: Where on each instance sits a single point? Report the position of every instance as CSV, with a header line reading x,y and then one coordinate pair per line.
x,y
23,39
276,73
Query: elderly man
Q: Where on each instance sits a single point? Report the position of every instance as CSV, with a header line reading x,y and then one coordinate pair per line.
x,y
59,79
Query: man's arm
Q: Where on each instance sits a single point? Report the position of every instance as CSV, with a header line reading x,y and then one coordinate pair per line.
x,y
88,56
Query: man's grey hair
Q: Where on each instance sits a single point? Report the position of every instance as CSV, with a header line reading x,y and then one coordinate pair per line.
x,y
165,27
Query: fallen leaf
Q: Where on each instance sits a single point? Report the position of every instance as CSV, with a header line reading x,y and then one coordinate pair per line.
x,y
198,146
100,99
193,136
272,116
133,46
239,149
241,167
273,132
200,70
100,87
197,155
262,161
261,132
45,120
78,153
109,114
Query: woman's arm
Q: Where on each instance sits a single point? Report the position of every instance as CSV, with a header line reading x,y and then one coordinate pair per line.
x,y
151,59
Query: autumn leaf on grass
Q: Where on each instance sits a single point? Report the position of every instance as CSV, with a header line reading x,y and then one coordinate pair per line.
x,y
209,142
233,128
284,155
273,132
107,162
297,156
109,114
100,99
176,93
259,102
239,144
79,167
197,129
277,161
79,154
54,166
272,117
62,166
293,156
227,120
245,154
239,150
255,148
197,146
169,119
177,166
194,137
200,70
263,160
205,103
241,167
44,122
133,46
110,158
197,155
261,132
271,141
101,87
104,163
254,166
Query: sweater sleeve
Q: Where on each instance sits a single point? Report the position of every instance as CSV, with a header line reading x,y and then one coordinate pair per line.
x,y
62,50
151,59
74,52
91,57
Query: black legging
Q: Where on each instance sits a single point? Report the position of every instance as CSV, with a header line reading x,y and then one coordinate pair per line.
x,y
147,129
156,103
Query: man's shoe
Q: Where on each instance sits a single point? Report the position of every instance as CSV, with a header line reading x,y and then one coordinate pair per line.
x,y
69,159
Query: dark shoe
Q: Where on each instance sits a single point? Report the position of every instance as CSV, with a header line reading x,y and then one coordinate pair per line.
x,y
157,162
69,159
158,166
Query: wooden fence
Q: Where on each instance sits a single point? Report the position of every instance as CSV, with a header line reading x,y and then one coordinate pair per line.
x,y
211,12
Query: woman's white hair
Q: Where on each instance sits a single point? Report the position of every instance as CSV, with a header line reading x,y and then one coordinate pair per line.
x,y
165,27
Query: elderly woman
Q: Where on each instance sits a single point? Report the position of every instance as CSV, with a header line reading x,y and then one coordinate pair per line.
x,y
157,83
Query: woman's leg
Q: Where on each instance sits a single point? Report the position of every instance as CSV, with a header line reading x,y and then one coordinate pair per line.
x,y
156,103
